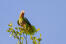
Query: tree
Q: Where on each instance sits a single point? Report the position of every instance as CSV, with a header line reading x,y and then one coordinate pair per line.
x,y
24,29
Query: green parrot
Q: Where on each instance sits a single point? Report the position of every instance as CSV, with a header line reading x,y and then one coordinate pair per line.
x,y
24,22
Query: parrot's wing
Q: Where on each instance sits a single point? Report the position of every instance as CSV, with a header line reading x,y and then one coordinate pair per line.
x,y
27,21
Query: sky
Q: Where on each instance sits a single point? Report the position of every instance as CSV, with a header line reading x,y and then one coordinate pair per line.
x,y
48,15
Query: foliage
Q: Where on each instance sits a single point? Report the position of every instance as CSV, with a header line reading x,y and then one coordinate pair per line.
x,y
20,32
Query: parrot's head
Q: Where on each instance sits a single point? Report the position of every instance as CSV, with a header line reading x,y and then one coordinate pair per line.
x,y
21,14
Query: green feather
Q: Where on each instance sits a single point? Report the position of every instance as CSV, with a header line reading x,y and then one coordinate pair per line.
x,y
27,21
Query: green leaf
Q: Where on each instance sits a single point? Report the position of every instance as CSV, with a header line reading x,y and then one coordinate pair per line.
x,y
22,38
34,27
17,34
30,36
10,25
40,35
39,39
8,30
13,31
10,35
17,37
14,36
38,29
16,28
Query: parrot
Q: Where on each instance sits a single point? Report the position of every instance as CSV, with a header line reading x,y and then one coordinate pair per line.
x,y
24,22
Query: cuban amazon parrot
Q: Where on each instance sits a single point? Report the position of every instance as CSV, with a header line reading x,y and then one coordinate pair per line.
x,y
23,22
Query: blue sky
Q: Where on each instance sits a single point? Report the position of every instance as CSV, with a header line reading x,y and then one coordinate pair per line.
x,y
48,15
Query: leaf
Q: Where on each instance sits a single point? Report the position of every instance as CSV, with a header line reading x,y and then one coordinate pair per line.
x,y
10,25
40,35
19,28
17,34
14,36
17,37
30,36
16,28
13,31
33,27
8,30
22,38
34,38
10,35
38,29
21,32
32,30
39,39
